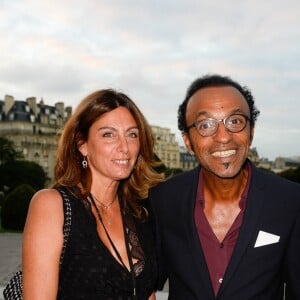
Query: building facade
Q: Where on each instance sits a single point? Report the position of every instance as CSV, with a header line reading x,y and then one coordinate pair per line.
x,y
166,147
285,163
187,160
34,128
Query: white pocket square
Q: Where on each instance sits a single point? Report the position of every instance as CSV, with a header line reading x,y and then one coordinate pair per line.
x,y
265,238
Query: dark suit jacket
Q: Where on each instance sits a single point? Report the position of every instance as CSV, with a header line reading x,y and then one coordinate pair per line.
x,y
272,208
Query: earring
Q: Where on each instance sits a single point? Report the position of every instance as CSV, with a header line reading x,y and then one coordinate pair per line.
x,y
84,163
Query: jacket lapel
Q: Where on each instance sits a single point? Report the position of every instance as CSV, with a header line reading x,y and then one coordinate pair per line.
x,y
249,225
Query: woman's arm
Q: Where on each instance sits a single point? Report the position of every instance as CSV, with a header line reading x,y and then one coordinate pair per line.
x,y
152,296
42,246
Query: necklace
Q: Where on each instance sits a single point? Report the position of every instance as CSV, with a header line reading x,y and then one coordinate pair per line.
x,y
105,206
105,211
114,247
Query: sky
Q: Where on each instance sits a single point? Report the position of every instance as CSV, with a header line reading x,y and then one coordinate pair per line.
x,y
61,51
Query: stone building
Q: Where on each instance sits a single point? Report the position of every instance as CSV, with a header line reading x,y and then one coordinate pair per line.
x,y
253,155
187,160
285,163
34,128
166,147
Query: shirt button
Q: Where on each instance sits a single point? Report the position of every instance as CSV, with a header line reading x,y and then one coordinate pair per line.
x,y
220,280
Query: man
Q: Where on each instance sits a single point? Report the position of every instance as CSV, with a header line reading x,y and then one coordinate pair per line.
x,y
226,230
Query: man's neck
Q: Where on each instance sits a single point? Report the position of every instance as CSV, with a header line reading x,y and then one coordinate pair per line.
x,y
224,190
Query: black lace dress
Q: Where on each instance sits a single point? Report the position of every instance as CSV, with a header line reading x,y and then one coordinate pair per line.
x,y
89,271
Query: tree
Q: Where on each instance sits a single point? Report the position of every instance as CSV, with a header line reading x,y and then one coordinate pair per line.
x,y
161,168
291,174
14,173
15,207
7,151
2,198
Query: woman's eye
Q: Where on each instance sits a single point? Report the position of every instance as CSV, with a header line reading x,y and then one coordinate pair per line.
x,y
108,134
133,135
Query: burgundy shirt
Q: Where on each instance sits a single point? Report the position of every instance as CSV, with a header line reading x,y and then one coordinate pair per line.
x,y
218,254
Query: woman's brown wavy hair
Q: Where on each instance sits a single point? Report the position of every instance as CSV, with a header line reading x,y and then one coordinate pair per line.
x,y
68,166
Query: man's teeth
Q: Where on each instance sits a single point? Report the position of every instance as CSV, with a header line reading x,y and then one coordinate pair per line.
x,y
223,153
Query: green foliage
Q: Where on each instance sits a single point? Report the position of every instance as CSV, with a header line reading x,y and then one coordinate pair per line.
x,y
291,174
2,198
15,207
7,151
169,172
163,169
14,173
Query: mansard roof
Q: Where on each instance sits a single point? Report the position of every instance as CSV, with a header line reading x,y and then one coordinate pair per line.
x,y
21,111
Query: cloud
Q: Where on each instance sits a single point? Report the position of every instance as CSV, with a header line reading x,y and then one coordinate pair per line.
x,y
152,50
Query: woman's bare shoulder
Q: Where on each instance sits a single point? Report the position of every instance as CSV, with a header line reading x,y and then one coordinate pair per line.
x,y
46,202
46,196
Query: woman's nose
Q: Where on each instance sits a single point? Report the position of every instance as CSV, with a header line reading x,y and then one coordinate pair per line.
x,y
123,145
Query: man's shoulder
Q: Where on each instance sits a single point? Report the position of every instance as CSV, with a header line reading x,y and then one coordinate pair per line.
x,y
179,180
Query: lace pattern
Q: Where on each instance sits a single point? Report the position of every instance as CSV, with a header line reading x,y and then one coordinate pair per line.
x,y
134,245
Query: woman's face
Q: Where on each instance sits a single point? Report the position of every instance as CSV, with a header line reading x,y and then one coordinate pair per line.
x,y
112,146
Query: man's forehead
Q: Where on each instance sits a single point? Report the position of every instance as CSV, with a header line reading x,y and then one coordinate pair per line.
x,y
215,95
217,100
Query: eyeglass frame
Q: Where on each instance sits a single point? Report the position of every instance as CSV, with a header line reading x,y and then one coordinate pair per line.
x,y
218,121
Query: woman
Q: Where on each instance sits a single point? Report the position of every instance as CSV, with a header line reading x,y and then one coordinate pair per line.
x,y
104,162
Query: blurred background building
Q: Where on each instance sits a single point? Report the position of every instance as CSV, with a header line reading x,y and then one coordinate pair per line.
x,y
34,127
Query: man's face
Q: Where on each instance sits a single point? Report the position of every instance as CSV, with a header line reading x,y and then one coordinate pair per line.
x,y
224,152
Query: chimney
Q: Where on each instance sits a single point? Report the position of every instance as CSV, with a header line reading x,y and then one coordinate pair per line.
x,y
8,103
32,105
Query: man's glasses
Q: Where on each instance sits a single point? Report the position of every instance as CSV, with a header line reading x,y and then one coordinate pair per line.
x,y
233,123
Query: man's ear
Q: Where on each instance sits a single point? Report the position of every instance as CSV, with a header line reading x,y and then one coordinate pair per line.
x,y
188,143
251,134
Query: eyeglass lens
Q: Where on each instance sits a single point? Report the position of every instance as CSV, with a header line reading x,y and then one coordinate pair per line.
x,y
233,123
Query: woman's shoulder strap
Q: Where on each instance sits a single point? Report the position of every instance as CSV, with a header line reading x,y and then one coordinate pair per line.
x,y
67,219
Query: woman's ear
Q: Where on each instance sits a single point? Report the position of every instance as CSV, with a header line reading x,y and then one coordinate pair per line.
x,y
82,148
188,143
81,144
